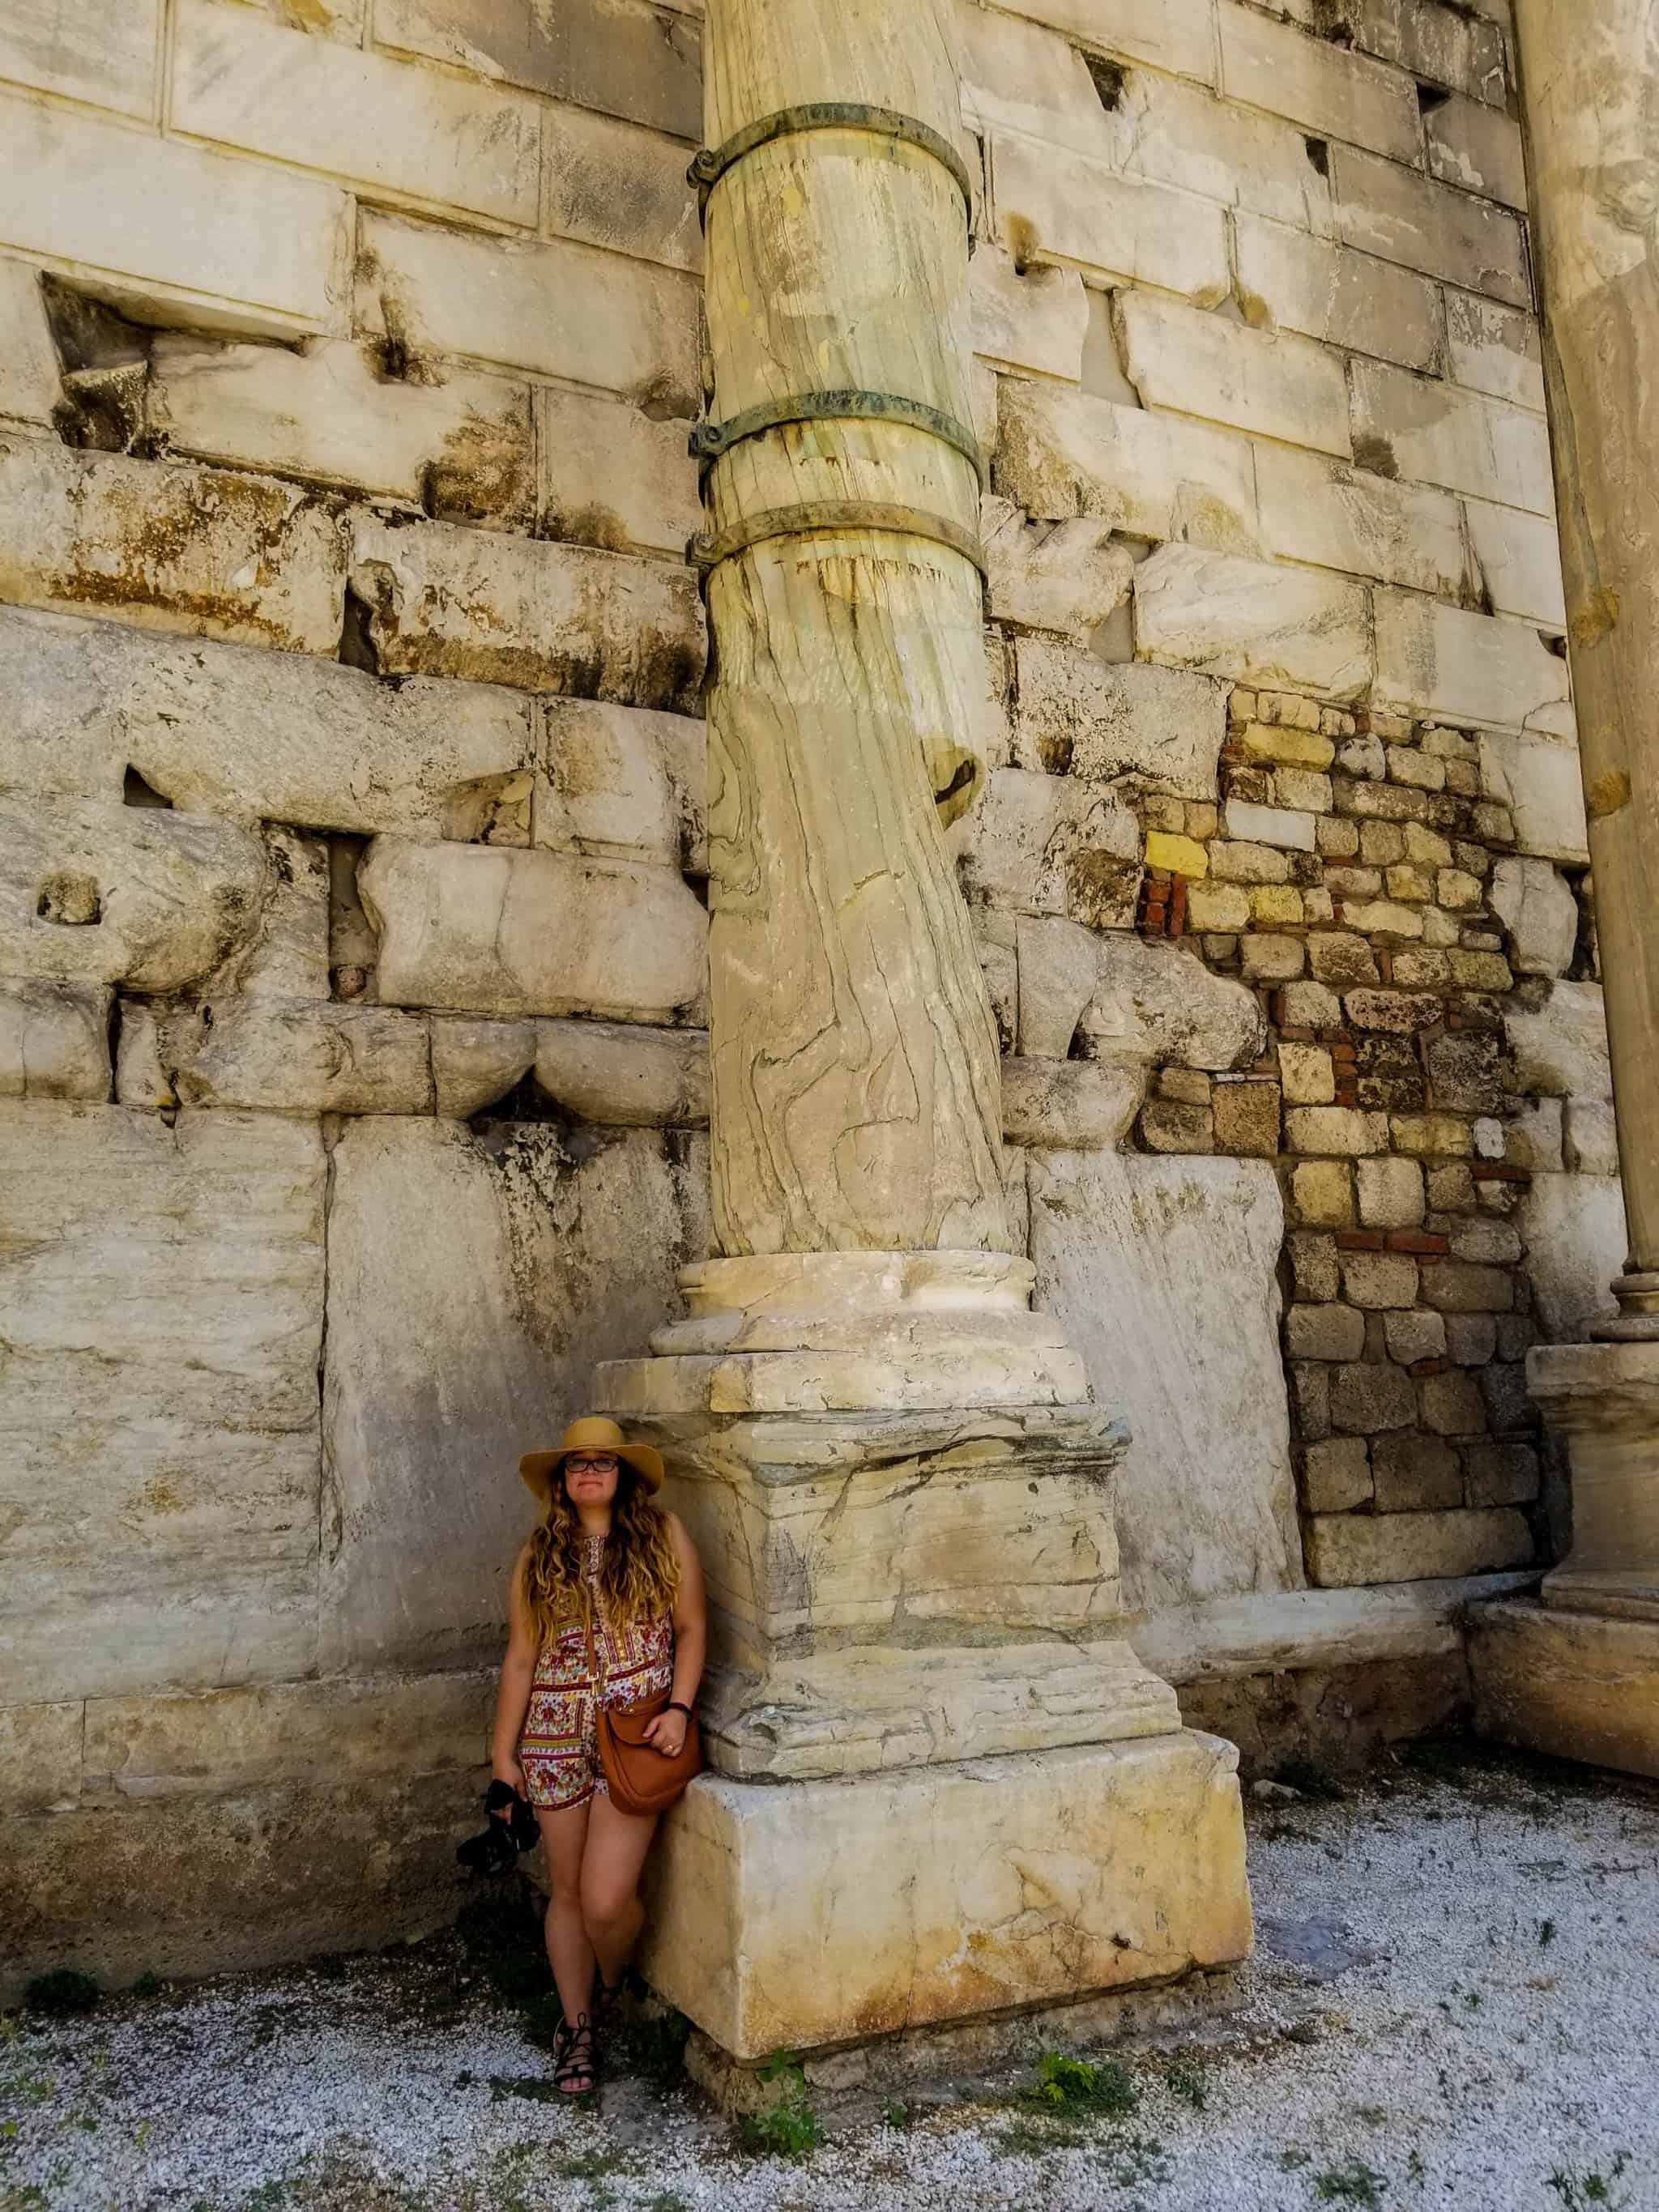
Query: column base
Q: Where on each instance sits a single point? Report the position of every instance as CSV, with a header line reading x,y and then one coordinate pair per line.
x,y
798,1915
1576,1685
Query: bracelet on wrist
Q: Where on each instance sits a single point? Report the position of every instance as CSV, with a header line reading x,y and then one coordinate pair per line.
x,y
675,1706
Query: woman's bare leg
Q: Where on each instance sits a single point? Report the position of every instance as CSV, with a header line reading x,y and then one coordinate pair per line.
x,y
612,1914
564,1837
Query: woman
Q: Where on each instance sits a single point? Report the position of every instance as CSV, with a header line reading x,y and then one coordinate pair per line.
x,y
606,1608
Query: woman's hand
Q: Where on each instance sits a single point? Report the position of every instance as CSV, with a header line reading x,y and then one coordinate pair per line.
x,y
510,1772
666,1733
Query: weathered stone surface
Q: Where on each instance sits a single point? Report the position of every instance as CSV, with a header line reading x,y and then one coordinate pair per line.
x,y
30,381
38,48
1540,913
265,250
163,1311
1369,1397
550,306
1165,33
201,551
1049,844
1403,217
1437,432
1376,1280
623,784
1325,1332
1563,1049
1033,319
1288,628
1062,206
1069,1104
54,1041
1162,1271
474,1063
1414,1474
1270,825
623,59
528,1264
1401,1548
1285,278
1075,713
1390,1192
1328,89
1063,452
1590,1137
626,1078
1281,385
535,932
1539,783
1149,1000
1472,669
613,477
1336,1475
96,894
445,601
1064,576
1576,1241
244,82
755,1932
613,184
1314,509
1570,1684
455,442
255,736
279,1058
1412,1336
1494,349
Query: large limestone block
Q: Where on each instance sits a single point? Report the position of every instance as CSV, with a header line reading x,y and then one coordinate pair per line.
x,y
1469,669
1577,1240
1131,997
613,477
1344,1548
625,1077
1258,624
625,784
554,306
1172,134
1063,452
1477,148
1336,517
1033,318
1328,89
1494,349
1286,278
54,1041
1573,1684
224,730
162,1306
1386,209
31,382
273,1056
40,1755
244,82
470,1290
1561,1049
41,47
1066,577
622,57
1435,432
447,601
1067,1105
1055,205
1518,558
1282,385
1170,34
815,1912
215,1741
1050,844
451,439
1075,714
1539,780
1162,1271
139,896
265,250
1462,49
614,184
201,551
1540,912
1021,79
532,933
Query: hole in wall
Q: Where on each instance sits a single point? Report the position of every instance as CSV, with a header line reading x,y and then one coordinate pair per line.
x,y
1109,78
135,791
1431,96
1319,154
70,899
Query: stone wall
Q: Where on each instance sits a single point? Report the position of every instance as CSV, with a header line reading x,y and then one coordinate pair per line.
x,y
352,971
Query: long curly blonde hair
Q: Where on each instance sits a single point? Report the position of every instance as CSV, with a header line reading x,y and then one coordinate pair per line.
x,y
639,1576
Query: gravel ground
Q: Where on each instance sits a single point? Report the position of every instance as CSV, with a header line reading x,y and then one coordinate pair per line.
x,y
1455,2003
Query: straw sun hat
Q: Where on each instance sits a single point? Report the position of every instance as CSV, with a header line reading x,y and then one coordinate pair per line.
x,y
593,1433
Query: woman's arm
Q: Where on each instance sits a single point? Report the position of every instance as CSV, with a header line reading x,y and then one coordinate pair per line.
x,y
517,1671
667,1731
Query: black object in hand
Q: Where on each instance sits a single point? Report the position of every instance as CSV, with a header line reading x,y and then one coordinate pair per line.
x,y
495,1849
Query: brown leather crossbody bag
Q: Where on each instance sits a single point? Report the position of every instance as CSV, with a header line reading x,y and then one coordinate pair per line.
x,y
640,1777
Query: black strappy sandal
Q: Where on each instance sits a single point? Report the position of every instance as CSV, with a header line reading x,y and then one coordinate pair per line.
x,y
575,2066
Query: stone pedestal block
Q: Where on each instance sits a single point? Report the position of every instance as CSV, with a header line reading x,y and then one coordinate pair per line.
x,y
1604,1399
1574,1684
832,1912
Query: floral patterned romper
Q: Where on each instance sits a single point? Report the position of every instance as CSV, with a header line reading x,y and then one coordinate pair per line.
x,y
558,1749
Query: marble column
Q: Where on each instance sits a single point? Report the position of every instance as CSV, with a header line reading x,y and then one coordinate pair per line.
x,y
899,1485
1579,1674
